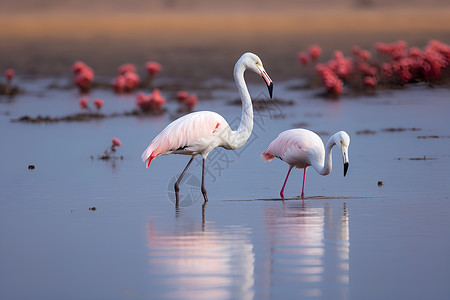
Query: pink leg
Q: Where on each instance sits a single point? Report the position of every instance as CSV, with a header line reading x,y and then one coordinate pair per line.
x,y
284,184
303,187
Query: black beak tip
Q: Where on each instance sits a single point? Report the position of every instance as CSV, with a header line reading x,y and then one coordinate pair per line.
x,y
345,169
270,86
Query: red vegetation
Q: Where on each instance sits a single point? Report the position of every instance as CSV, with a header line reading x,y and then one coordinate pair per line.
x,y
84,76
152,102
127,80
394,65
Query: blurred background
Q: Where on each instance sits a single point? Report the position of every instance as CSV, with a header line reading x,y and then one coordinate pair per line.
x,y
44,37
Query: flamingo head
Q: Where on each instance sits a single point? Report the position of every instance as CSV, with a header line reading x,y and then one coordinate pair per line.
x,y
253,62
343,140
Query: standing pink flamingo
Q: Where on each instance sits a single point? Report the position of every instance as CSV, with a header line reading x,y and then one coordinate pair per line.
x,y
200,132
302,148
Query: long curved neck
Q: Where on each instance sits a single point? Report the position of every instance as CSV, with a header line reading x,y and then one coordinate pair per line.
x,y
241,135
326,168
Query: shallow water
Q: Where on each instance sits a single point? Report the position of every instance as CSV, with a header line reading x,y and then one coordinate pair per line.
x,y
349,239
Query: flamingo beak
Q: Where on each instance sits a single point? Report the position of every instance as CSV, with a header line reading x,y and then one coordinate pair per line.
x,y
345,158
267,79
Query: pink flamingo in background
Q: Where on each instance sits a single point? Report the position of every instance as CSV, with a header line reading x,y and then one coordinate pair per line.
x,y
200,132
302,148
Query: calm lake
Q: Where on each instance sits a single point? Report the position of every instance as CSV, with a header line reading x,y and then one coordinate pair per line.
x,y
77,227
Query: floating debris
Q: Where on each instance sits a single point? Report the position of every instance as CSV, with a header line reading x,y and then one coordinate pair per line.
x,y
422,158
83,117
400,129
93,208
433,137
300,125
366,131
380,183
8,91
418,158
31,167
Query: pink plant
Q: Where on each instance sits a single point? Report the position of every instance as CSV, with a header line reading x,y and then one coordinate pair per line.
x,y
143,101
118,84
356,50
151,102
398,65
84,76
131,81
9,73
303,58
116,142
340,65
441,48
370,81
402,69
125,68
191,101
331,81
434,61
415,52
84,103
182,96
366,69
188,100
395,50
153,68
127,80
314,51
365,55
109,153
387,70
157,100
99,103
84,79
78,66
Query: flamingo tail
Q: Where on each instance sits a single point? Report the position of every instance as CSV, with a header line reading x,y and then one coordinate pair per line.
x,y
267,156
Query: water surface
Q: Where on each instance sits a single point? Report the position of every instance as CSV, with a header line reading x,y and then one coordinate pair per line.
x,y
349,239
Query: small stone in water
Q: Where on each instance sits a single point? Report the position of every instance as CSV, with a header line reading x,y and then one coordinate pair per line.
x,y
380,183
93,208
31,167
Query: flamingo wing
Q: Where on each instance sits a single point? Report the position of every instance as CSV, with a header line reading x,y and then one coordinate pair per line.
x,y
292,146
184,133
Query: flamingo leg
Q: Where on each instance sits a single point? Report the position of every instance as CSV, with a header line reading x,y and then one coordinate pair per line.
x,y
177,184
284,184
203,181
303,187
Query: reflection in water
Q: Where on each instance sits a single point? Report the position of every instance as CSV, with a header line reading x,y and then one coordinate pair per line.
x,y
306,256
309,252
201,264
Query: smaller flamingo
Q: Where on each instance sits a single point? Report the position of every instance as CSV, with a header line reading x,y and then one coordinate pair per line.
x,y
302,148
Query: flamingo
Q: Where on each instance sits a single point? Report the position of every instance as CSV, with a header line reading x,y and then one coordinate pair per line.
x,y
200,132
302,148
